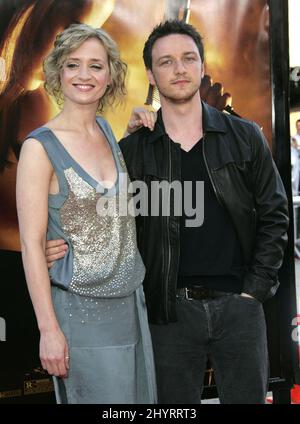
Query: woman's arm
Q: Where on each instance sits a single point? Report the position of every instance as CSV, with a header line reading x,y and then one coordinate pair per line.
x,y
140,117
33,181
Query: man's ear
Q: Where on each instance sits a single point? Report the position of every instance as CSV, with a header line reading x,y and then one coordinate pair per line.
x,y
150,77
202,71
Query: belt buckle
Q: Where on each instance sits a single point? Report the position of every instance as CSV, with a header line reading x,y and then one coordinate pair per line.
x,y
186,292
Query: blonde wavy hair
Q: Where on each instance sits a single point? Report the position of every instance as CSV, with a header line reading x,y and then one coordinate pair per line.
x,y
71,39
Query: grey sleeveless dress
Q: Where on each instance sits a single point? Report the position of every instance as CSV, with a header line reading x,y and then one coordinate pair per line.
x,y
97,287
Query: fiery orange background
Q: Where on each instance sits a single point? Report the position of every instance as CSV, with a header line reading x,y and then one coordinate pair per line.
x,y
237,55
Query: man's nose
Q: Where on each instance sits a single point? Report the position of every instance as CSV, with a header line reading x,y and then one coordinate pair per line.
x,y
179,67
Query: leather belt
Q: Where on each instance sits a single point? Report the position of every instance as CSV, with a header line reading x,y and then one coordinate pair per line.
x,y
198,293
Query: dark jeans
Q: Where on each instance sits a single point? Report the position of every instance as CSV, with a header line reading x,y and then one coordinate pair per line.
x,y
231,332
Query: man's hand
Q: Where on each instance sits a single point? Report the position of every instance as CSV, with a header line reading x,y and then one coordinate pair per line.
x,y
213,93
55,249
140,117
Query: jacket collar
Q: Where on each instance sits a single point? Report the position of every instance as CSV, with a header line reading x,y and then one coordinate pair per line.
x,y
213,121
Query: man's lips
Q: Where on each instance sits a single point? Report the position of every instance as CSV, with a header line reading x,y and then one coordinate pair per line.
x,y
181,81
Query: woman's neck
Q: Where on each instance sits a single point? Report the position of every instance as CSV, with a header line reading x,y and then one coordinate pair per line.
x,y
79,118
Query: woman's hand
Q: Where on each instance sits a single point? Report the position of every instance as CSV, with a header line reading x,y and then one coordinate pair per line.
x,y
140,117
54,352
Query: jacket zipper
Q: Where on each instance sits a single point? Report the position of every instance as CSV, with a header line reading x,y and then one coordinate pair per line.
x,y
218,195
168,235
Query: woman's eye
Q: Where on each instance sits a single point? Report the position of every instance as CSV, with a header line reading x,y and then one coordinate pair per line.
x,y
97,67
72,65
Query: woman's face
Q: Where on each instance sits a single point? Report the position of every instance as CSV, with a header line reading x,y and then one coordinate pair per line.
x,y
85,74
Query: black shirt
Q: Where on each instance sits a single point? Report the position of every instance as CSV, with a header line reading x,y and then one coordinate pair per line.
x,y
210,254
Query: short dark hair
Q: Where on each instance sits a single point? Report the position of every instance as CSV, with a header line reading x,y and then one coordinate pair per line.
x,y
167,28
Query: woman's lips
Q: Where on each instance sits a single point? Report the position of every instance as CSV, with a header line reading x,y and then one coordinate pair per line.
x,y
84,87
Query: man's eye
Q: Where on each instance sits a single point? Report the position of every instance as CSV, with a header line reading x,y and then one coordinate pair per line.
x,y
166,62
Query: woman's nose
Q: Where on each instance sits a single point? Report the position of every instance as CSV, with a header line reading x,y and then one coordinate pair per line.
x,y
84,72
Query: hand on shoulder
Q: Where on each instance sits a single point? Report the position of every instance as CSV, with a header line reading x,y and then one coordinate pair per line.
x,y
140,117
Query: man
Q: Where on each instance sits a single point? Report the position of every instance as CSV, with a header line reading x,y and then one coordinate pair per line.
x,y
205,284
295,159
297,135
295,162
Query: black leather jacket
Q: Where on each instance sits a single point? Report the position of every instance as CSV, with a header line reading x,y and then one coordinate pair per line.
x,y
246,182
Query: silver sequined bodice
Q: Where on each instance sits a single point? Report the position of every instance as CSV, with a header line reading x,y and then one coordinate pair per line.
x,y
106,261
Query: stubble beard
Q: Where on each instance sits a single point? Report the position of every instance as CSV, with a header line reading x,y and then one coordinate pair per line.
x,y
180,98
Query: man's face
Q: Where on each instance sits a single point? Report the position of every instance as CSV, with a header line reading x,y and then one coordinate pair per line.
x,y
298,127
177,68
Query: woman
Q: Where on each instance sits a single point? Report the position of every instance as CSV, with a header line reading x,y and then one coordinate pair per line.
x,y
92,319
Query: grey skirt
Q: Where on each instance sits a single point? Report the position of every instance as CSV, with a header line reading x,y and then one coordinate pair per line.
x,y
111,358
